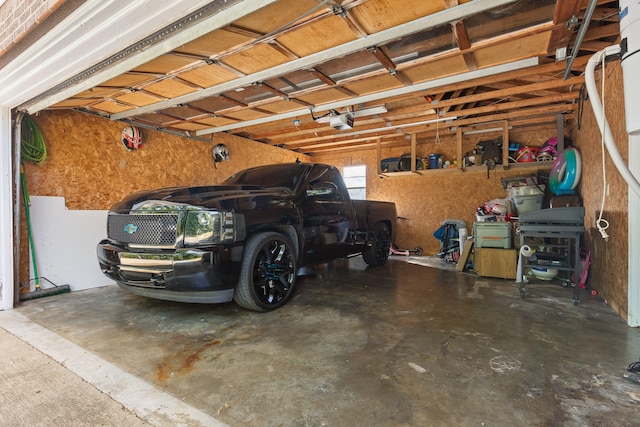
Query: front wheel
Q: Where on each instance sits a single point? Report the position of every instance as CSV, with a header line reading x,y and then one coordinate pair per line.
x,y
268,272
378,252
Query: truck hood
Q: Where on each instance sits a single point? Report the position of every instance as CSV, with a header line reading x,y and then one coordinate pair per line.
x,y
231,197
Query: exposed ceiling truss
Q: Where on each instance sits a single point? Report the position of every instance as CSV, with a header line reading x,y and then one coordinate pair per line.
x,y
269,73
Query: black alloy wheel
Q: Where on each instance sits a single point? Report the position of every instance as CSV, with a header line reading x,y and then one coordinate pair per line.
x,y
378,253
268,272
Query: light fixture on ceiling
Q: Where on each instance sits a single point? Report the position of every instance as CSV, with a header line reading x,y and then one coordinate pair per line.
x,y
341,121
400,127
344,121
337,119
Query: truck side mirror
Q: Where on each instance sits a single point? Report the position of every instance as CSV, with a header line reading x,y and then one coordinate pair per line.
x,y
323,190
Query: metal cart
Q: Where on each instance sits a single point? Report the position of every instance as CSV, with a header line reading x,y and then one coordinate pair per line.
x,y
555,234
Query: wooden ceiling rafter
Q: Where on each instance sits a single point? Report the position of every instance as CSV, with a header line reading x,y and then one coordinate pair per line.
x,y
388,63
322,77
272,56
564,11
542,114
242,106
282,49
521,121
384,60
204,95
547,68
351,21
477,111
200,61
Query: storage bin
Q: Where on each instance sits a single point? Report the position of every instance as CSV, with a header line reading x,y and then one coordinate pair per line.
x,y
525,190
526,204
492,235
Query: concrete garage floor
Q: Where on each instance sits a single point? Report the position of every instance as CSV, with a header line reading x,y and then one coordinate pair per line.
x,y
401,345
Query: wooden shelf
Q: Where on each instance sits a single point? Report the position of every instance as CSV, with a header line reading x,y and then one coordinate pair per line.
x,y
503,128
530,165
510,166
419,172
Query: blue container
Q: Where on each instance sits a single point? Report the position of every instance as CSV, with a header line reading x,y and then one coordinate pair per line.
x,y
433,161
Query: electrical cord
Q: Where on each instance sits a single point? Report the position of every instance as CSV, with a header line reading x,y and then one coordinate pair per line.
x,y
32,145
601,223
603,125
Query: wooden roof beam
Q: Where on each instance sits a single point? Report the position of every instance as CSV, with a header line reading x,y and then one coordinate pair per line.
x,y
350,20
510,107
388,63
322,77
464,43
564,11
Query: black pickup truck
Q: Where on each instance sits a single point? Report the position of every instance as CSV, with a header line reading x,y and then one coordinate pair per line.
x,y
245,239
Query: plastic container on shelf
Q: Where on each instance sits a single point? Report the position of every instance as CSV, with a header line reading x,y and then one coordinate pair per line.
x,y
525,190
434,161
492,234
526,204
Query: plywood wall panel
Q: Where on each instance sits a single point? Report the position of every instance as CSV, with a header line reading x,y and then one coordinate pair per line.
x,y
609,269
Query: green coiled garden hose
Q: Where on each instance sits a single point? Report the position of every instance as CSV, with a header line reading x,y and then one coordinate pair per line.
x,y
33,148
32,145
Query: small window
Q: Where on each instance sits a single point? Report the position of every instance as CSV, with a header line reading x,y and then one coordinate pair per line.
x,y
355,178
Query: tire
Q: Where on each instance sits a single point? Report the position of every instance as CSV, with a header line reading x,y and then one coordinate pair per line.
x,y
378,252
267,274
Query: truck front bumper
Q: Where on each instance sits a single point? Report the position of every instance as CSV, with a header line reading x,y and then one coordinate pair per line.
x,y
184,275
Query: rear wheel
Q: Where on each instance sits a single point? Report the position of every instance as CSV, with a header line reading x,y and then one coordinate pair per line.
x,y
268,272
378,252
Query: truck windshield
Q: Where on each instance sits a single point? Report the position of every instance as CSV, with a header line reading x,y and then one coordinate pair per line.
x,y
286,175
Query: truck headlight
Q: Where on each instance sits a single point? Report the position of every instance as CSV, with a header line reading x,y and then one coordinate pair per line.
x,y
209,227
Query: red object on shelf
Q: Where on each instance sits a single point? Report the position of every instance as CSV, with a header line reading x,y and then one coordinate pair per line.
x,y
527,154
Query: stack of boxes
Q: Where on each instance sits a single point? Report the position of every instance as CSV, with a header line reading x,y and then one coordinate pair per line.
x,y
494,254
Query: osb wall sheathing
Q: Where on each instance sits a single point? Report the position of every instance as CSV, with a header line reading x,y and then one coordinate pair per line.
x,y
425,200
609,258
88,165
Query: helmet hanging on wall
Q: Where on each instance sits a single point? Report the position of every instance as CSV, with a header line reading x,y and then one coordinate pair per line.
x,y
220,153
131,138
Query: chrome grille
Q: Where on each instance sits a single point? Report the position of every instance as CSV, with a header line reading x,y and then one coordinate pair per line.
x,y
148,229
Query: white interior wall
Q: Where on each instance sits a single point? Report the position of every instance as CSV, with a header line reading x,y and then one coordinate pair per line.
x,y
65,244
633,284
6,211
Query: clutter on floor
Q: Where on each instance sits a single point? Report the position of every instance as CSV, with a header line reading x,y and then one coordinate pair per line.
x,y
532,232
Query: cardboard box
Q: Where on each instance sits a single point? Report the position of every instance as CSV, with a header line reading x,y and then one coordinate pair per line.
x,y
490,262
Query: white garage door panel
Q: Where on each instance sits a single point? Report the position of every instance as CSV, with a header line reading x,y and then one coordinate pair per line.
x,y
65,243
93,32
